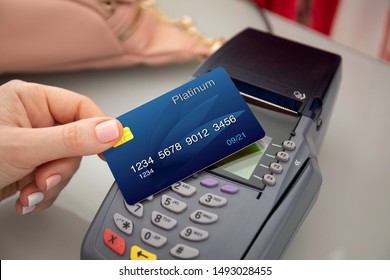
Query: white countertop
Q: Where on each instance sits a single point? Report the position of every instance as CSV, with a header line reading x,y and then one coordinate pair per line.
x,y
351,217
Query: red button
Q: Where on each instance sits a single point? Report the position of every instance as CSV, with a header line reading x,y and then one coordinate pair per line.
x,y
114,242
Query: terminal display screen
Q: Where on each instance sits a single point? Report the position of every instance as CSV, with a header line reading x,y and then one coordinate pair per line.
x,y
244,162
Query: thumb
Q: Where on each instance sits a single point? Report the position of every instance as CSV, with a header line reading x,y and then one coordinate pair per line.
x,y
80,138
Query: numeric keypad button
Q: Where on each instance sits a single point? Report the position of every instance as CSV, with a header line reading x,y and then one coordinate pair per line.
x,y
194,234
163,221
172,204
135,209
203,217
212,200
183,189
153,239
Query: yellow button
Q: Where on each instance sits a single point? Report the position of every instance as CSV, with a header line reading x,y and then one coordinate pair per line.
x,y
137,253
126,137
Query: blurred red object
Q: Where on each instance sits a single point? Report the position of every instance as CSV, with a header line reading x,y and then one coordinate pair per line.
x,y
317,14
386,41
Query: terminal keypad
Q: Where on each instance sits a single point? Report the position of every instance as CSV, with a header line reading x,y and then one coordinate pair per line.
x,y
199,223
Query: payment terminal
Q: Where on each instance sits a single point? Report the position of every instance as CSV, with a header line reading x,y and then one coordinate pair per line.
x,y
249,205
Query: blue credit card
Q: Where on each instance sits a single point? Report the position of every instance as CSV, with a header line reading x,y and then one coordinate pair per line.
x,y
181,133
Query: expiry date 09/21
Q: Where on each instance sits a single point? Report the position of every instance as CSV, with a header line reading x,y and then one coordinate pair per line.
x,y
144,164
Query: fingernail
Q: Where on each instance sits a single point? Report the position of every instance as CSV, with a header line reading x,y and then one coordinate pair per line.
x,y
26,210
107,131
35,198
52,181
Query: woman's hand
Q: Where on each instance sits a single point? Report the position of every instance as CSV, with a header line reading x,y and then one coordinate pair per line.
x,y
44,132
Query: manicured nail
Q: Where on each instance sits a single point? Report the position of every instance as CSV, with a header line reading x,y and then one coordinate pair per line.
x,y
107,131
26,210
35,198
52,181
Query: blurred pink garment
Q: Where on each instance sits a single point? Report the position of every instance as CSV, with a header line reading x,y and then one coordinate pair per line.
x,y
62,35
